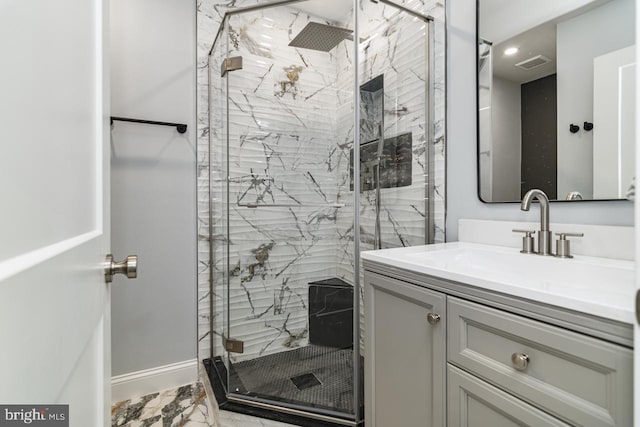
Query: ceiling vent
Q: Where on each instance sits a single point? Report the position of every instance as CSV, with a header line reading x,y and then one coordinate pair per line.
x,y
531,63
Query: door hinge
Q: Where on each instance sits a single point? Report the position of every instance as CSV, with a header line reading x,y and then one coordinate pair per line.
x,y
231,64
233,346
638,306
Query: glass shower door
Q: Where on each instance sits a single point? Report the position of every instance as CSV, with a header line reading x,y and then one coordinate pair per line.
x,y
289,293
295,199
398,142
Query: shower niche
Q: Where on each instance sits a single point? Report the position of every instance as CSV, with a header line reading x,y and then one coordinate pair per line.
x,y
385,162
286,227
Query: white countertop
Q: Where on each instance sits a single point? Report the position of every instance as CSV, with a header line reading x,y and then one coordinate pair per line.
x,y
596,286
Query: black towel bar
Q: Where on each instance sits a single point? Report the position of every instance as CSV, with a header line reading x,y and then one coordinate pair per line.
x,y
180,127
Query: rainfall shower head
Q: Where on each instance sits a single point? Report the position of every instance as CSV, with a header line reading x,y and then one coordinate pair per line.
x,y
320,37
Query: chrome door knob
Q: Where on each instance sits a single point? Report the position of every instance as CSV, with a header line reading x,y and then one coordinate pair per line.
x,y
520,361
433,318
128,267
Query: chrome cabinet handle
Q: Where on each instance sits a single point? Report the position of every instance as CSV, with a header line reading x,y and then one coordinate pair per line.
x,y
520,361
128,267
433,318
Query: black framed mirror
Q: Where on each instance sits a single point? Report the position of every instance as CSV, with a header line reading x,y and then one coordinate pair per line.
x,y
556,99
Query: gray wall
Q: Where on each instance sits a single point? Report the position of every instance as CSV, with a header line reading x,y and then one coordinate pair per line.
x,y
153,182
462,199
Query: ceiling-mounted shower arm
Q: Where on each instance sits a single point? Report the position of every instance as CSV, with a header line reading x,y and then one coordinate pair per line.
x,y
426,18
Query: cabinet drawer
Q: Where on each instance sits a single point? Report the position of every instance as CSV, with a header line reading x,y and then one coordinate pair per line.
x,y
475,403
582,380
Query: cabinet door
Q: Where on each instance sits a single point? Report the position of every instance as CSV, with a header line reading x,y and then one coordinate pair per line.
x,y
405,354
475,403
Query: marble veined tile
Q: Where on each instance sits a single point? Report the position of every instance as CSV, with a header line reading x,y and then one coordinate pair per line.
x,y
182,406
232,419
290,123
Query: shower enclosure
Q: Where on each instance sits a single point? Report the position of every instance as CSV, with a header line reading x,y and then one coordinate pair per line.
x,y
293,201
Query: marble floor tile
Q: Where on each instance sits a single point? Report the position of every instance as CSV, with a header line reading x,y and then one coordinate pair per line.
x,y
180,407
232,419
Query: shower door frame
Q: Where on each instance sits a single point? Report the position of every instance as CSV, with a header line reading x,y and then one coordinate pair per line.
x,y
297,410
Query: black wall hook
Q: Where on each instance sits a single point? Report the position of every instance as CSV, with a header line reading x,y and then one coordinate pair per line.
x,y
588,126
573,128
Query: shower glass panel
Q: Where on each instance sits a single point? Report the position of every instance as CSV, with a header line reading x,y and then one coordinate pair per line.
x,y
218,187
485,81
286,300
396,210
294,200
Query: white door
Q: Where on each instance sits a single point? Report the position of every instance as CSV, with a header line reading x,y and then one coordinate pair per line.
x,y
614,88
54,224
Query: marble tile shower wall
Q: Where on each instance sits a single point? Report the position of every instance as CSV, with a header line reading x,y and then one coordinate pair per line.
x,y
282,139
281,117
397,49
280,250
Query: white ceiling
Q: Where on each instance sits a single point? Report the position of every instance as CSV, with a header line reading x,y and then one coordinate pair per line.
x,y
531,27
537,41
336,11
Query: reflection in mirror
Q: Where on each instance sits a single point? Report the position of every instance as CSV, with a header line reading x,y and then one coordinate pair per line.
x,y
556,107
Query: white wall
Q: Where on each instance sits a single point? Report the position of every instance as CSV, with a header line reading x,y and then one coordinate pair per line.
x,y
579,40
506,141
153,182
462,199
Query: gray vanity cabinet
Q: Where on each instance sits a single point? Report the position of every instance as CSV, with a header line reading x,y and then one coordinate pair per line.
x,y
406,360
499,368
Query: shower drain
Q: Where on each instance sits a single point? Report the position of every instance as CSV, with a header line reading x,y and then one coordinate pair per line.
x,y
305,381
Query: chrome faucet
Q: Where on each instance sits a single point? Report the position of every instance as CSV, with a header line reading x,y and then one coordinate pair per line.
x,y
544,235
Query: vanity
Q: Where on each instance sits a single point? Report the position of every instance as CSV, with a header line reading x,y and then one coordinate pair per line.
x,y
470,334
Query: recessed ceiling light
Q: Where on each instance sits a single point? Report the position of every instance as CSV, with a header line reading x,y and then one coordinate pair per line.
x,y
511,51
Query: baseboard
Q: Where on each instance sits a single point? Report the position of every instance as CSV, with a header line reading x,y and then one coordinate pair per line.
x,y
141,383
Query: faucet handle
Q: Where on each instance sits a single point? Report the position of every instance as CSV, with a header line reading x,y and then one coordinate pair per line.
x,y
529,233
563,236
563,248
527,241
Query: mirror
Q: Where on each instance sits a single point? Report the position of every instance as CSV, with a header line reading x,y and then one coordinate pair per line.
x,y
556,99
